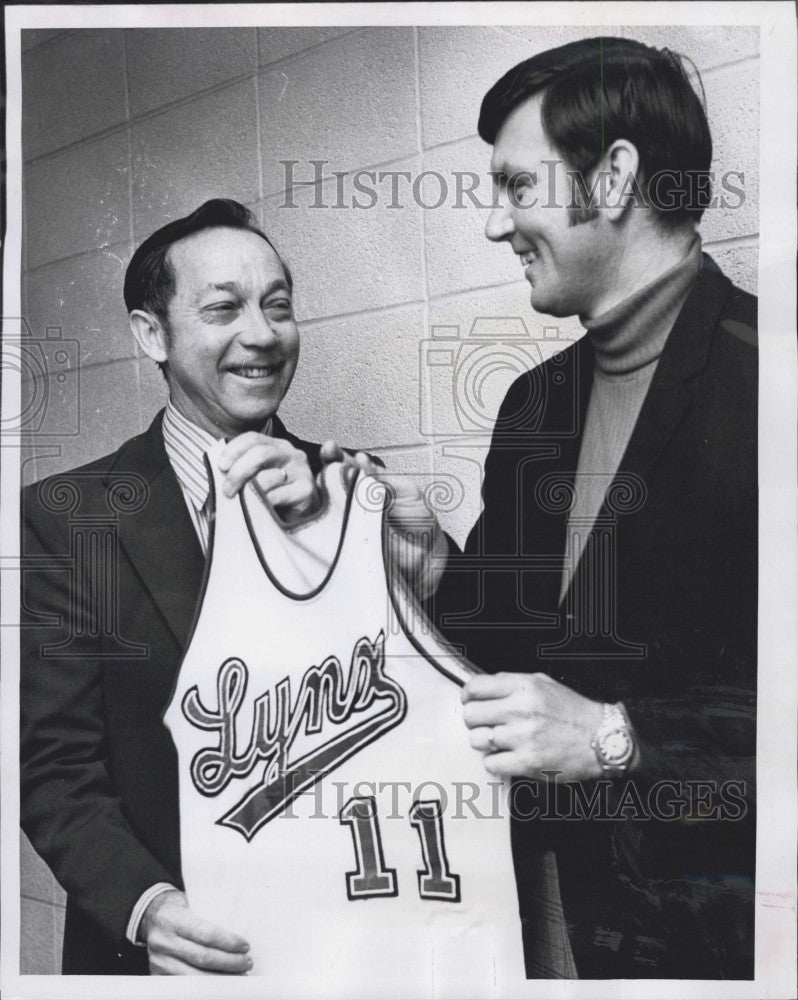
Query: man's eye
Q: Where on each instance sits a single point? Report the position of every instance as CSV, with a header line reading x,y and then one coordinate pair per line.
x,y
280,307
220,307
523,182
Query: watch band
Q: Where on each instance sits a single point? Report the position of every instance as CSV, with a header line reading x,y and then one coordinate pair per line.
x,y
613,716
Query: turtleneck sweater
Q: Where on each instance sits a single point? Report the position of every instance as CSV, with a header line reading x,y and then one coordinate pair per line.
x,y
628,341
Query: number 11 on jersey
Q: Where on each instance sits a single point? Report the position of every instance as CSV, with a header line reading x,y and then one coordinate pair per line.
x,y
372,877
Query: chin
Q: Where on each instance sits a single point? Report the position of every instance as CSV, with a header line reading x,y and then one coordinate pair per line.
x,y
548,308
250,420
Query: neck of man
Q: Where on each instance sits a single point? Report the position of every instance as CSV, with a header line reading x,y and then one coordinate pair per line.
x,y
631,336
643,252
207,427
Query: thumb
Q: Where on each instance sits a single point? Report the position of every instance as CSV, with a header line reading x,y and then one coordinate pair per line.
x,y
331,451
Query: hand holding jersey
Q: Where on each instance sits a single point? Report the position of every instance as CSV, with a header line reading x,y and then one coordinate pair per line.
x,y
526,724
298,749
418,548
282,476
279,472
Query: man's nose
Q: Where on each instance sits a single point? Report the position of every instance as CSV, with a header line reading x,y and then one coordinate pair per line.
x,y
500,225
256,330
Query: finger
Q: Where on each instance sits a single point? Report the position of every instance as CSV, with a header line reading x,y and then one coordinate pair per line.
x,y
269,481
264,454
189,927
492,739
363,461
353,465
170,965
198,956
505,764
486,713
297,498
238,446
290,483
331,451
350,471
482,687
480,739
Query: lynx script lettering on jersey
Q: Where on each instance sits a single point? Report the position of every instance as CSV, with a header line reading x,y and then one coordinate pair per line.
x,y
368,699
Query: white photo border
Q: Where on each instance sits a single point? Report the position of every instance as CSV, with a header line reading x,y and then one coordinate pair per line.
x,y
778,600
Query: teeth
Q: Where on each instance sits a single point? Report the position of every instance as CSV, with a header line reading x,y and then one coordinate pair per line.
x,y
251,372
528,257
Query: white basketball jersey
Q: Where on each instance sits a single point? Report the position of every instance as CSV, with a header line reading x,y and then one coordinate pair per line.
x,y
332,811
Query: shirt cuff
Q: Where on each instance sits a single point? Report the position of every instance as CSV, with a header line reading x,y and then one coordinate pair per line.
x,y
140,908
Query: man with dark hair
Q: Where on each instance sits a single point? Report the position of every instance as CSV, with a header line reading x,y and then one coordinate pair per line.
x,y
150,280
113,555
610,584
596,91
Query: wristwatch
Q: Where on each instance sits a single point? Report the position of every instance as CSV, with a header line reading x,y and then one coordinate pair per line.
x,y
613,744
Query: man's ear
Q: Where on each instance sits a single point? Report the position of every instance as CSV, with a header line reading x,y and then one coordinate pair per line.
x,y
150,334
622,164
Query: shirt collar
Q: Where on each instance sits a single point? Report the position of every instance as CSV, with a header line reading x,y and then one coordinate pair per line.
x,y
186,444
633,333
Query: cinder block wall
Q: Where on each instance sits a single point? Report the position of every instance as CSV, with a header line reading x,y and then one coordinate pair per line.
x,y
126,129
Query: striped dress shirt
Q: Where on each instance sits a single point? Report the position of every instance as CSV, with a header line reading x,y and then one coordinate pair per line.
x,y
186,444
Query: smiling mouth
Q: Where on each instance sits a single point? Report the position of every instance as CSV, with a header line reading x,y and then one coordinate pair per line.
x,y
255,371
528,256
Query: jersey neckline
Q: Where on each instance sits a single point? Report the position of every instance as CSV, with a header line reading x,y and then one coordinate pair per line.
x,y
274,580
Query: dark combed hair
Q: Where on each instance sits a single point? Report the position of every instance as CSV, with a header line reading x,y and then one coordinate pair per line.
x,y
597,90
149,279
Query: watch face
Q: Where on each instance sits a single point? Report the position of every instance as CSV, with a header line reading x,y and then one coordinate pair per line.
x,y
616,747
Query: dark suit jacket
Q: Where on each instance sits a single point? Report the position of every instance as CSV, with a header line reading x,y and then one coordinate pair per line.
x,y
111,571
661,615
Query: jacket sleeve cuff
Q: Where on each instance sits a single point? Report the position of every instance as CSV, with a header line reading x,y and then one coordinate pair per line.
x,y
144,900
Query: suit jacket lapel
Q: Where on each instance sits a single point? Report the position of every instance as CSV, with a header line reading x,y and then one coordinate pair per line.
x,y
570,412
159,539
562,427
672,386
